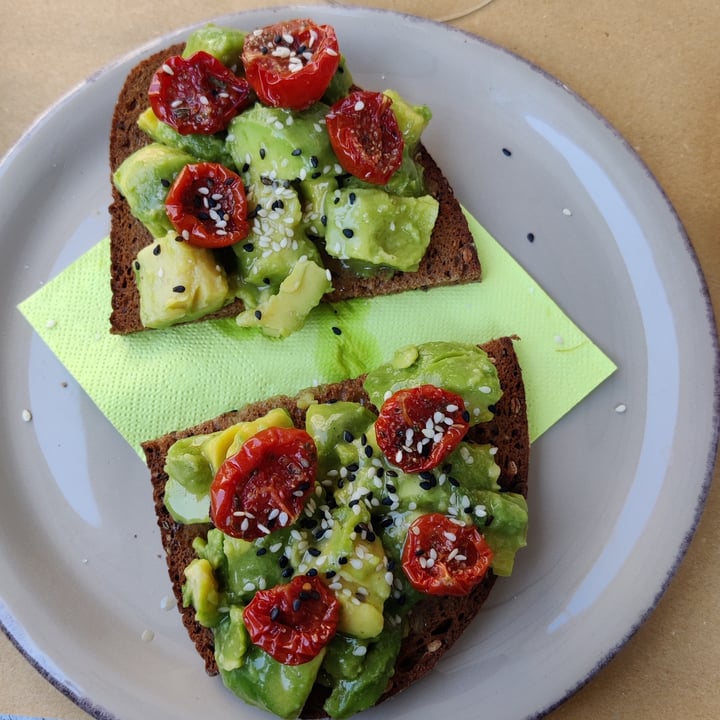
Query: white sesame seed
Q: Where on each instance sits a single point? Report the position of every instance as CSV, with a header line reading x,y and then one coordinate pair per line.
x,y
26,415
167,69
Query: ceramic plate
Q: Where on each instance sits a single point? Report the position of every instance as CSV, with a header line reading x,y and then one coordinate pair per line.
x,y
616,486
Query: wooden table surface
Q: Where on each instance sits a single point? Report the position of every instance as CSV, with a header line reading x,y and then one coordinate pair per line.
x,y
652,68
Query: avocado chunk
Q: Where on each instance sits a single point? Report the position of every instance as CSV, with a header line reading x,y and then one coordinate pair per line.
x,y
370,229
210,148
284,313
334,427
281,144
178,282
275,244
202,592
143,179
265,683
340,84
459,367
412,119
359,688
223,43
231,640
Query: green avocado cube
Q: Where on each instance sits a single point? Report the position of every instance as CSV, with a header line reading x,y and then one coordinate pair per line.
x,y
223,43
143,179
178,282
370,229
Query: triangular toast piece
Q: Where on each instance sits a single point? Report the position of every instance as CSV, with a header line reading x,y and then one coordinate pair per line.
x,y
451,257
436,623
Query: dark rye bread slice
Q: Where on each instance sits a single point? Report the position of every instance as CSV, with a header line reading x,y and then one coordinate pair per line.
x,y
451,257
436,623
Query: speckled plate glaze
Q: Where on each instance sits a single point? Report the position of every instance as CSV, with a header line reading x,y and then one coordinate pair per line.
x,y
616,486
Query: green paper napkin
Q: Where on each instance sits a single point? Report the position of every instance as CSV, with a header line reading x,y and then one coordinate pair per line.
x,y
153,382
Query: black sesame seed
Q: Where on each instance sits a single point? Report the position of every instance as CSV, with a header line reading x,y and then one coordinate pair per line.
x,y
348,233
348,436
258,314
137,265
203,216
387,501
352,197
336,200
248,247
368,451
261,551
380,472
278,205
316,175
323,219
264,50
466,416
353,467
531,237
453,481
330,574
336,330
427,475
287,572
245,167
425,485
488,520
492,408
308,522
275,613
165,182
506,152
297,604
265,180
342,560
391,473
314,551
283,561
266,281
296,152
386,522
179,289
312,572
354,502
370,537
262,153
278,39
318,534
304,595
391,488
314,161
156,250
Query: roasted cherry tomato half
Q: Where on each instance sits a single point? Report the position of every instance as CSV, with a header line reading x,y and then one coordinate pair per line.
x,y
293,622
207,205
198,94
265,485
365,135
419,427
290,64
444,557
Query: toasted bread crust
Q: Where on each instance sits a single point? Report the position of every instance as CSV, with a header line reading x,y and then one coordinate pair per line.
x,y
436,623
451,257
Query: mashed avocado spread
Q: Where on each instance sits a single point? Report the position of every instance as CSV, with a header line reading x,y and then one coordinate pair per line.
x,y
299,200
350,533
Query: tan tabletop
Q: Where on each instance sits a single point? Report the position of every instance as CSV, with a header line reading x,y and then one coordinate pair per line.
x,y
652,68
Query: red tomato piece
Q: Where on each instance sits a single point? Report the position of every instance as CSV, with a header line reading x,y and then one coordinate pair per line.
x,y
293,622
207,205
365,135
419,427
198,94
444,557
290,64
265,485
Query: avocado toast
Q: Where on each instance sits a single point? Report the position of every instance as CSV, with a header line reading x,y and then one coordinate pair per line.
x,y
390,634
450,256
